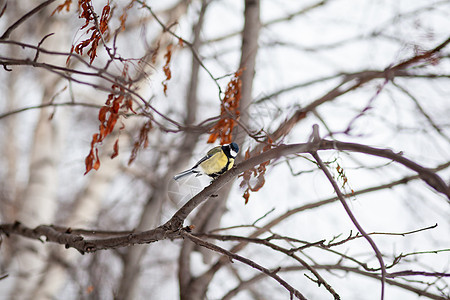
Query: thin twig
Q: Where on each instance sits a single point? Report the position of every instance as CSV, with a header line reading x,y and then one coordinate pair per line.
x,y
316,140
13,112
422,110
289,252
24,18
189,44
406,287
244,260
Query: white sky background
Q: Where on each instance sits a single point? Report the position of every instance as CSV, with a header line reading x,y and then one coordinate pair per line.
x,y
392,123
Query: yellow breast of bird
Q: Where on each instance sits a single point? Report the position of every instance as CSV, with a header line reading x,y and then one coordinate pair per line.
x,y
216,163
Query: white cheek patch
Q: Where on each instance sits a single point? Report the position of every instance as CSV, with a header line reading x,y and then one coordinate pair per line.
x,y
233,153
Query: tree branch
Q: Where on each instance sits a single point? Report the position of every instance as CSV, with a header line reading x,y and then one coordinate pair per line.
x,y
354,220
24,18
175,223
244,260
420,292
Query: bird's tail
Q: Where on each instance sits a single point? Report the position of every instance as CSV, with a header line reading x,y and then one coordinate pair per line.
x,y
184,173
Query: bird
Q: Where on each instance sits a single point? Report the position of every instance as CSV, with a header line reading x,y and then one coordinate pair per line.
x,y
217,161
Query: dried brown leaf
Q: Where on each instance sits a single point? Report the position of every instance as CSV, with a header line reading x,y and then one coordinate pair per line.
x,y
229,112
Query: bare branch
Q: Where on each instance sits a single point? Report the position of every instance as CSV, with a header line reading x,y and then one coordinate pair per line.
x,y
51,104
353,218
353,82
417,56
415,290
25,17
352,237
82,245
289,252
275,21
422,111
247,261
189,44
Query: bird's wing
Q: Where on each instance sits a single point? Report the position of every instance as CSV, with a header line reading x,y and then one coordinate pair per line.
x,y
214,151
208,155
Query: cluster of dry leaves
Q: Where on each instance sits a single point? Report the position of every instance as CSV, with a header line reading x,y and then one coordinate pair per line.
x,y
120,101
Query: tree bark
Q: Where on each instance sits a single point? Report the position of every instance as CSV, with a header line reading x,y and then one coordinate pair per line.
x,y
38,206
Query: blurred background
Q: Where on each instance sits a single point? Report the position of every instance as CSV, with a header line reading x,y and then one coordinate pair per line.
x,y
369,72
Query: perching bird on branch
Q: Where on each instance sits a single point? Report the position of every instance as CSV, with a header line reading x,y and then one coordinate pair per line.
x,y
217,161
